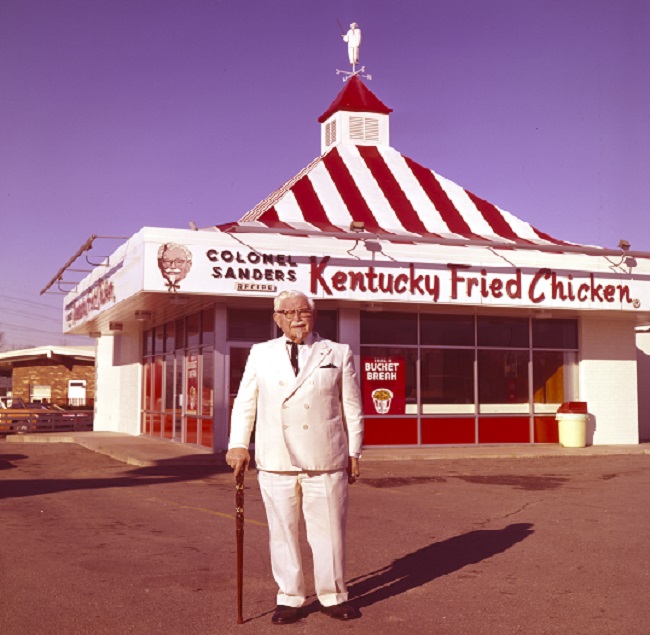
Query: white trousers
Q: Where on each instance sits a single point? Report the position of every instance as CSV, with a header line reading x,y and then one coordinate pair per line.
x,y
323,499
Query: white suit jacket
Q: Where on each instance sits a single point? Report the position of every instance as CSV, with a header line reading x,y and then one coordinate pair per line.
x,y
353,37
310,422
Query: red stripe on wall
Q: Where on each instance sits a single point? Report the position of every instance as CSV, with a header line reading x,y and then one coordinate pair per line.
x,y
450,215
350,193
392,190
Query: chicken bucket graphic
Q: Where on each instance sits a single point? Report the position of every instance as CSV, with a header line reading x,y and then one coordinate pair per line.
x,y
381,398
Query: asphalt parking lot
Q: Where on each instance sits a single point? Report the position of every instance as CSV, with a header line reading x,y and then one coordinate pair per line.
x,y
536,545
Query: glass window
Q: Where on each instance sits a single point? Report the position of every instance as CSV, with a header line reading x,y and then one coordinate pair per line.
x,y
148,342
193,326
447,380
238,358
169,337
157,403
555,379
207,384
191,392
169,383
174,421
327,323
503,332
561,334
503,381
40,393
159,337
250,325
389,328
207,335
447,330
180,333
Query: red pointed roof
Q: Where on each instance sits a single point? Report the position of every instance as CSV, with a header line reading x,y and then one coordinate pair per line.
x,y
355,97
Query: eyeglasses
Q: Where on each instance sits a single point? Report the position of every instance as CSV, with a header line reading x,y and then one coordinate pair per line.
x,y
177,262
293,313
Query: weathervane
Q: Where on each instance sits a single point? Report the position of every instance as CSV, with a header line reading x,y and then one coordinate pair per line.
x,y
353,38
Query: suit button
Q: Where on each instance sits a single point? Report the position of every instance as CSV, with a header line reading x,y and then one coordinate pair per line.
x,y
305,427
281,383
306,405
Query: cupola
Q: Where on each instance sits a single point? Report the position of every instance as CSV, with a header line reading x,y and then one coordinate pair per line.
x,y
356,117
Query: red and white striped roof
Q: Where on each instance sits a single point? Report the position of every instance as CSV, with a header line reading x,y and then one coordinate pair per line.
x,y
393,196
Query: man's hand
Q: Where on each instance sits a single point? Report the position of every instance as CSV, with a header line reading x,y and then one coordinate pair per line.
x,y
353,470
238,459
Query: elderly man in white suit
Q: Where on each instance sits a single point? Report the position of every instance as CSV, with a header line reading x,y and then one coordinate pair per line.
x,y
301,393
353,38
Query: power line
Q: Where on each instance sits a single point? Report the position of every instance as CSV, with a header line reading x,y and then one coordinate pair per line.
x,y
32,303
6,327
27,314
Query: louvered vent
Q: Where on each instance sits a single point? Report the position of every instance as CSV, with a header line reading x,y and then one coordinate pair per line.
x,y
330,133
356,128
364,129
372,129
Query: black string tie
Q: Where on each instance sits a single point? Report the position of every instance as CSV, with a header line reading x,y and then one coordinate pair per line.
x,y
294,358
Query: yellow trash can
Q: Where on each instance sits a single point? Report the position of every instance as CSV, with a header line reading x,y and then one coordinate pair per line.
x,y
572,424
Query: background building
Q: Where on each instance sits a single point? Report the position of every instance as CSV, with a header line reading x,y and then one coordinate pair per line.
x,y
59,375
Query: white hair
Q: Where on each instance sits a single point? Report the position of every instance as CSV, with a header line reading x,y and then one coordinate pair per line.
x,y
292,294
169,246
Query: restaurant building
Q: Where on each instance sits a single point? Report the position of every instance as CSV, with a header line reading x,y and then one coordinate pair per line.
x,y
469,326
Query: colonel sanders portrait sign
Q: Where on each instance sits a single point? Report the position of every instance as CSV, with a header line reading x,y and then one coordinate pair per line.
x,y
174,262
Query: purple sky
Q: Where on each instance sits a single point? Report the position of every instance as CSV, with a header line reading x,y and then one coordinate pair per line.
x,y
119,114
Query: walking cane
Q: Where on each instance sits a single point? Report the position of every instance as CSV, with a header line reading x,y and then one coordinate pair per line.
x,y
239,529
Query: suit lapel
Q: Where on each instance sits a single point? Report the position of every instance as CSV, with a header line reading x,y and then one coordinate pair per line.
x,y
319,352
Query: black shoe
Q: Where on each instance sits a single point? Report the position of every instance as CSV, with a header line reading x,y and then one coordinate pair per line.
x,y
285,614
342,611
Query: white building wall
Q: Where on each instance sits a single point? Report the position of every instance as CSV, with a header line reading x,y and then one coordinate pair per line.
x,y
608,380
643,378
118,383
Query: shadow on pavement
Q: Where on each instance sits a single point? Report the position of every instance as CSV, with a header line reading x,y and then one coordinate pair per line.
x,y
164,472
6,460
431,562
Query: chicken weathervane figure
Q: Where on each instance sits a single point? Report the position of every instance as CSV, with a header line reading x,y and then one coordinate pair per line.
x,y
353,39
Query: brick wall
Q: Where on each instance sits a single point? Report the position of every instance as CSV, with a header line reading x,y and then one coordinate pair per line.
x,y
53,373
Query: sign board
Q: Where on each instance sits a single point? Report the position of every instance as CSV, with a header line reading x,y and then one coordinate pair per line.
x,y
383,384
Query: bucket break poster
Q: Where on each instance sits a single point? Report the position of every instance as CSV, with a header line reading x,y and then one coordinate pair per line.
x,y
383,383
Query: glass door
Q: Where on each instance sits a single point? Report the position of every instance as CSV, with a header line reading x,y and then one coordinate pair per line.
x,y
237,354
179,397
